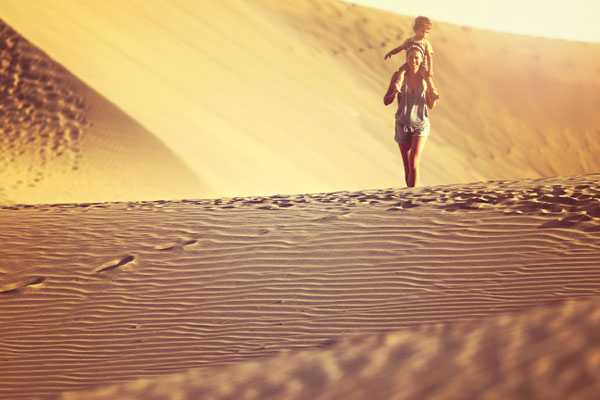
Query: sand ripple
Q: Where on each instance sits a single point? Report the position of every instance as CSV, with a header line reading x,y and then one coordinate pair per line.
x,y
546,353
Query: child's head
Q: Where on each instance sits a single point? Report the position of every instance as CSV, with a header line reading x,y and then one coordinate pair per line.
x,y
422,26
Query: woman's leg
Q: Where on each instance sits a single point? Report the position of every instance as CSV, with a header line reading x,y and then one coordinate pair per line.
x,y
405,151
414,158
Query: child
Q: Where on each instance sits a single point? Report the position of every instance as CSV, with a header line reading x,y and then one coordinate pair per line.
x,y
422,27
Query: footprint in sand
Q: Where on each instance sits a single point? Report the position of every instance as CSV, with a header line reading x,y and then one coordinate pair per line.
x,y
256,200
166,247
14,287
593,211
331,218
400,205
272,229
580,219
173,245
114,264
284,203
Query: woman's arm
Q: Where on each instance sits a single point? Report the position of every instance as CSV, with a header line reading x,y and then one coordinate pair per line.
x,y
392,90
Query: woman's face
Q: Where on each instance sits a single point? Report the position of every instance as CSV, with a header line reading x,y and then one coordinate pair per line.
x,y
414,59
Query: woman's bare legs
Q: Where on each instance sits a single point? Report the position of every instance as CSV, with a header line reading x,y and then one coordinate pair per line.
x,y
405,151
411,156
416,149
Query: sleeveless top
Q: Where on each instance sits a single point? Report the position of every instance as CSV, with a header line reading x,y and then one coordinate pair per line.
x,y
412,107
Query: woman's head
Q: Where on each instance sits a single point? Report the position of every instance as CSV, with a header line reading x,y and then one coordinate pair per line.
x,y
414,57
422,27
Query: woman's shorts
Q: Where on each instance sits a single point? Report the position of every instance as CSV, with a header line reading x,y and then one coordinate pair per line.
x,y
405,133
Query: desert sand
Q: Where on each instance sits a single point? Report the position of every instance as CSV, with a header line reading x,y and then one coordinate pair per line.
x,y
95,294
204,200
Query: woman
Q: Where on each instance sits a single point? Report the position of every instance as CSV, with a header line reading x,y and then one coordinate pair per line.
x,y
412,118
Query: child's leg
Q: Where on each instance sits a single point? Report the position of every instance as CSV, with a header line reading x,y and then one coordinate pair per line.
x,y
430,86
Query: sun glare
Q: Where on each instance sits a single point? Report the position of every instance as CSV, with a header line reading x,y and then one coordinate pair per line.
x,y
573,20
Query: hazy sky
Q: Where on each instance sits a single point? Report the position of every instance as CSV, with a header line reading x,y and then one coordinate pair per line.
x,y
565,19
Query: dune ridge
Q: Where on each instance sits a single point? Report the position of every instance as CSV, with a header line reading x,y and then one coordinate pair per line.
x,y
264,97
165,286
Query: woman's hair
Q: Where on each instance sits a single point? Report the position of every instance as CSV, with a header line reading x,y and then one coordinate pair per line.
x,y
415,47
422,21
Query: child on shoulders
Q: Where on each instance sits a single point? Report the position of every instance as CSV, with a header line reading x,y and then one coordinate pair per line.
x,y
422,28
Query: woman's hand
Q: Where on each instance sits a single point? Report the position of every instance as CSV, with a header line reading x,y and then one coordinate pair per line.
x,y
398,87
392,90
430,98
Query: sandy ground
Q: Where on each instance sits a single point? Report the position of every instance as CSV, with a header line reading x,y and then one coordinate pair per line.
x,y
192,207
265,97
103,293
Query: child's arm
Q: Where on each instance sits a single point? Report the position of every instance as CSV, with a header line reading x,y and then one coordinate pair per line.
x,y
396,50
392,52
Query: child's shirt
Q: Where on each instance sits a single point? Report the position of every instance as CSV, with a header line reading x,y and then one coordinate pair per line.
x,y
423,43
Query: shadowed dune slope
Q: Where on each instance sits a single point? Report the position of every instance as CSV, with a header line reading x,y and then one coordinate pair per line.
x,y
96,294
262,97
62,142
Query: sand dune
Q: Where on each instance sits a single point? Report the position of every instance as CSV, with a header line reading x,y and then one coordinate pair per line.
x,y
265,97
101,293
62,142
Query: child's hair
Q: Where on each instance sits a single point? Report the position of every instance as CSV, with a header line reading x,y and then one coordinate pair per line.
x,y
422,21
